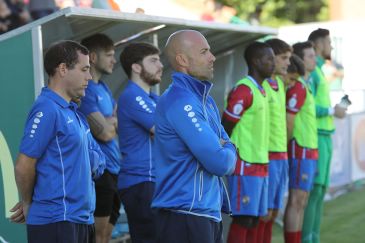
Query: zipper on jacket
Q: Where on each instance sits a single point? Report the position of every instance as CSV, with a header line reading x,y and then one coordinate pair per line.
x,y
204,103
201,185
227,196
194,192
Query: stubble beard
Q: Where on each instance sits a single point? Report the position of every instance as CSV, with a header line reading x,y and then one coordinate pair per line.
x,y
149,78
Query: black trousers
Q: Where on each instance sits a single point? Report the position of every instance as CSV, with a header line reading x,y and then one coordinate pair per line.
x,y
61,232
137,204
186,228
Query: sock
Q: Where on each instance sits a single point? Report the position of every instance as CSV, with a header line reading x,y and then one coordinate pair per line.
x,y
310,213
299,236
251,236
318,218
268,232
291,237
237,234
261,232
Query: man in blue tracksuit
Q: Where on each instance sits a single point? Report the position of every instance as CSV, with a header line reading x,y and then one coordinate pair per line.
x,y
136,107
53,170
97,165
192,150
99,107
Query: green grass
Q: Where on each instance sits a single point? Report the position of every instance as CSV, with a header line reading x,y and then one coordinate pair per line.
x,y
343,220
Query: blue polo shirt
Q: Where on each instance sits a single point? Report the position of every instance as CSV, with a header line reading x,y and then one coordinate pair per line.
x,y
98,98
135,119
55,135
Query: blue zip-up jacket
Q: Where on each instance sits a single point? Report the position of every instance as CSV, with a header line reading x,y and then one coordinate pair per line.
x,y
189,158
135,119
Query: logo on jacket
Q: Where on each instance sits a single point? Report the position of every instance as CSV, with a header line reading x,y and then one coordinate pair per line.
x,y
35,124
143,104
69,120
188,108
191,114
39,114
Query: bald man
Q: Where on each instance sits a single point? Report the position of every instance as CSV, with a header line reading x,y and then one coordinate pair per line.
x,y
192,150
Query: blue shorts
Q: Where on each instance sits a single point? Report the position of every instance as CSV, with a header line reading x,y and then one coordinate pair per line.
x,y
278,181
302,166
248,189
302,173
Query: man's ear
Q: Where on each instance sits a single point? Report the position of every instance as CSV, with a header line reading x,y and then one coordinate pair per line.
x,y
256,62
136,68
62,69
93,57
182,60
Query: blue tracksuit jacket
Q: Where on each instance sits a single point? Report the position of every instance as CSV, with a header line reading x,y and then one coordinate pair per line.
x,y
189,158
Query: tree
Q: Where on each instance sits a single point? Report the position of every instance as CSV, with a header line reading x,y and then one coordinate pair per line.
x,y
280,12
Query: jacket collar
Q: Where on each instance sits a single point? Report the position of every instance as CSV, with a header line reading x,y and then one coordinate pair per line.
x,y
198,87
47,92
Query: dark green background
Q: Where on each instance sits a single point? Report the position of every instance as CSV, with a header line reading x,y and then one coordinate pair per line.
x,y
16,98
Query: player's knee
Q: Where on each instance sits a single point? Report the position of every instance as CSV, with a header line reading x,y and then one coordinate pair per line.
x,y
298,199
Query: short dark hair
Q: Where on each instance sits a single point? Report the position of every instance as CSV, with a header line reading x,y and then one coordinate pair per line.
x,y
299,47
318,34
135,53
98,42
253,51
279,46
65,51
296,65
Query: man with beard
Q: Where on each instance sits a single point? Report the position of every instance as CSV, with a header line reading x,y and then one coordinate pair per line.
x,y
246,120
192,150
99,108
136,108
325,113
